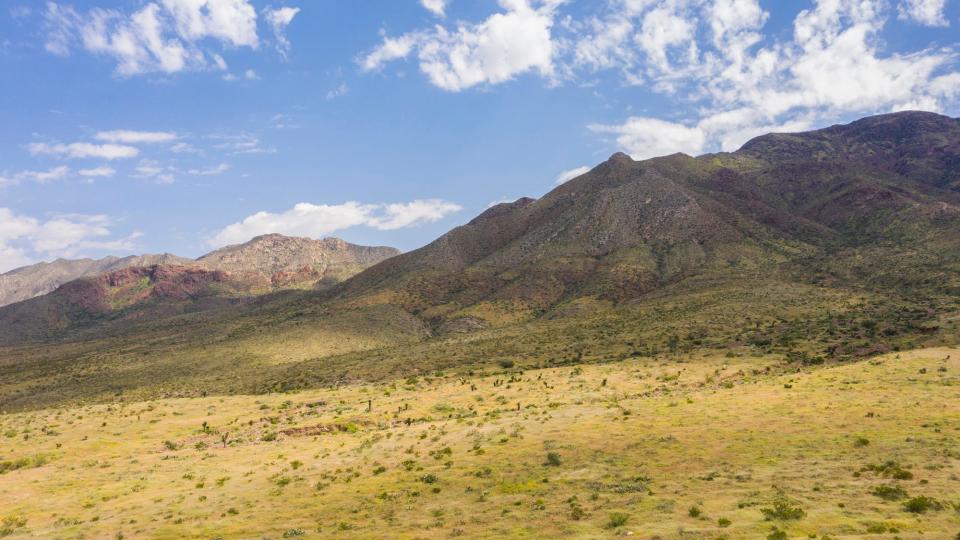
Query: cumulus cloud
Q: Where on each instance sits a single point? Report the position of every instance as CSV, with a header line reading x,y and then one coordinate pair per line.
x,y
166,36
135,137
742,83
925,12
279,19
509,43
566,176
84,150
25,239
437,7
714,59
317,221
650,137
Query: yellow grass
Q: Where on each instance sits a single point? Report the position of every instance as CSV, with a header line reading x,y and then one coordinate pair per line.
x,y
658,438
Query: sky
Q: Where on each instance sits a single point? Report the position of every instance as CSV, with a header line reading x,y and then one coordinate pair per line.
x,y
150,126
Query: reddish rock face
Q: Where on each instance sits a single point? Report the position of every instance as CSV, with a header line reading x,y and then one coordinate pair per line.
x,y
134,285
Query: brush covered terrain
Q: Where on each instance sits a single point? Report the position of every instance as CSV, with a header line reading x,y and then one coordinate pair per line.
x,y
674,447
760,344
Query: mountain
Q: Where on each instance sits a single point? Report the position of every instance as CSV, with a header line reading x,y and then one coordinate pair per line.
x,y
113,291
882,188
814,247
285,260
38,279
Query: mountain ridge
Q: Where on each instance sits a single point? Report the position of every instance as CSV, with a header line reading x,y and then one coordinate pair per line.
x,y
307,262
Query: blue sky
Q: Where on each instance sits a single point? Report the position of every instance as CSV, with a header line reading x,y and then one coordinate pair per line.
x,y
183,125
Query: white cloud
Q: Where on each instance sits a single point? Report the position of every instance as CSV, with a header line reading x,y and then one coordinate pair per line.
x,y
24,239
737,82
437,7
84,150
925,12
183,148
210,171
135,137
153,170
317,221
243,143
506,44
166,36
645,138
568,175
230,21
390,49
279,19
341,90
41,177
98,172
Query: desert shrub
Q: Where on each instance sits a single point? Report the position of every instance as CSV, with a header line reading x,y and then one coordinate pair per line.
x,y
723,523
892,492
272,436
170,445
922,504
617,519
694,511
782,510
860,442
429,479
889,469
293,533
777,534
380,470
553,459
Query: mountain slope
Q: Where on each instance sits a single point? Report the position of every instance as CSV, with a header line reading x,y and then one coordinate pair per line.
x,y
817,247
627,228
286,260
38,279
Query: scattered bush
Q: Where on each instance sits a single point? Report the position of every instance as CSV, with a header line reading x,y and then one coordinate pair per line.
x,y
922,504
892,492
782,510
617,519
553,459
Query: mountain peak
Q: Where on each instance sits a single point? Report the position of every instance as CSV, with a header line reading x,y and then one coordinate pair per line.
x,y
620,157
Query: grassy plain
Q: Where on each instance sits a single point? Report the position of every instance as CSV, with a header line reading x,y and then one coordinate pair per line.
x,y
681,446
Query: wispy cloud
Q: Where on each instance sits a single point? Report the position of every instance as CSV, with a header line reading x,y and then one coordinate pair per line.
x,y
84,150
136,137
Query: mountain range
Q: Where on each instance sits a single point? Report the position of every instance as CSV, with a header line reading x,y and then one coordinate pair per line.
x,y
280,259
820,246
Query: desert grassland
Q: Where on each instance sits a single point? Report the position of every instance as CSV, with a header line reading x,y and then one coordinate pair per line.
x,y
675,447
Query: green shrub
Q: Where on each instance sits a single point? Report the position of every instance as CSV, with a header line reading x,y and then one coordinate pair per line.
x,y
922,504
553,459
892,492
723,523
617,519
782,510
694,511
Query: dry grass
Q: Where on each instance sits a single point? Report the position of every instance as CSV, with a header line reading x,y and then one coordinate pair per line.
x,y
691,448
